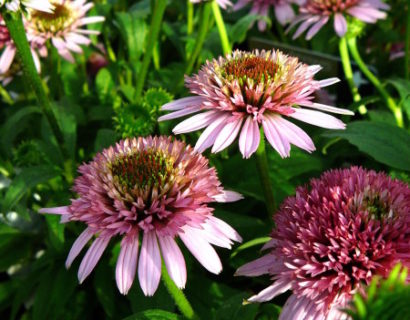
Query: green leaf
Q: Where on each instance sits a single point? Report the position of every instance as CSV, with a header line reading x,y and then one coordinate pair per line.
x,y
240,28
233,308
385,143
105,85
104,139
403,88
55,231
250,244
154,315
68,126
28,178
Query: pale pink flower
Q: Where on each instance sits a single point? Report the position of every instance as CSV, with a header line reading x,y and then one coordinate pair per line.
x,y
238,94
314,14
224,4
331,239
15,5
283,10
157,188
66,27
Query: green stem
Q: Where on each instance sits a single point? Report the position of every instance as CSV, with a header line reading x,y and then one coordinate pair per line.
x,y
190,17
155,27
226,47
391,104
347,68
262,164
205,15
15,26
5,95
407,47
179,298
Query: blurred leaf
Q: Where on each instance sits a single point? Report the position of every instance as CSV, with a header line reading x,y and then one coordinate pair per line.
x,y
403,88
233,308
104,139
28,178
55,231
13,250
104,85
68,126
154,315
104,287
385,143
240,28
6,292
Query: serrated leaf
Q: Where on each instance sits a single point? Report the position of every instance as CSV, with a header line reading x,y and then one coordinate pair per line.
x,y
385,143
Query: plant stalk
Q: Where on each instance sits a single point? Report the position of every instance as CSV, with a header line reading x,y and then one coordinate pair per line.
x,y
407,47
391,104
190,17
347,68
223,35
263,169
155,27
179,298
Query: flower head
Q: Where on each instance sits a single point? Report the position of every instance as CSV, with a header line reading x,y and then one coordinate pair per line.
x,y
155,187
222,3
314,14
332,238
283,9
15,5
247,90
64,26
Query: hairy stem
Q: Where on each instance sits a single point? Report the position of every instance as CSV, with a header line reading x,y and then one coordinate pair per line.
x,y
223,35
347,68
391,104
155,27
179,298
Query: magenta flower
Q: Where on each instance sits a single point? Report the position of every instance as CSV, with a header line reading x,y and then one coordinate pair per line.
x,y
222,3
331,239
64,27
314,14
155,187
246,90
283,9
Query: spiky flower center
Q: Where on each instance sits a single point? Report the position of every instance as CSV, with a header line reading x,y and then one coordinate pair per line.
x,y
377,208
61,19
330,6
142,170
258,69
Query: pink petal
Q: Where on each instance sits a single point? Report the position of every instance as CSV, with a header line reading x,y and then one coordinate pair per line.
x,y
328,82
127,263
317,118
7,58
174,260
78,245
55,210
227,135
340,24
284,13
228,196
275,138
271,292
196,122
201,250
183,103
257,267
214,236
180,113
316,27
224,228
149,267
249,138
207,138
305,25
92,257
324,107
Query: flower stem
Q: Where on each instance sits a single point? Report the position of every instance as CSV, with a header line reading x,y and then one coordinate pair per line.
x,y
226,47
262,164
391,104
190,17
156,20
347,68
407,47
15,26
179,298
200,39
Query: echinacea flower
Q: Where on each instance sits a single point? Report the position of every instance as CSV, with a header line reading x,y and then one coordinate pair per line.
x,y
15,5
314,14
157,188
246,90
9,49
331,239
64,26
283,9
222,3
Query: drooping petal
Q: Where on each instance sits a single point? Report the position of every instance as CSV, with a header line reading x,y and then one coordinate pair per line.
x,y
275,138
196,122
270,292
149,266
324,107
257,267
249,138
183,103
340,24
317,118
227,135
316,27
174,260
228,196
225,228
55,210
207,138
127,263
78,245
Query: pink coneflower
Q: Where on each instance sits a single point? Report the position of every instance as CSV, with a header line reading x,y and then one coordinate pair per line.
x,y
158,188
9,49
222,3
331,239
283,9
64,27
247,90
15,5
314,14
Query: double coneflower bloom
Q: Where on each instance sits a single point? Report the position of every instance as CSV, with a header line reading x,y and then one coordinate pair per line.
x,y
155,189
331,239
239,94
